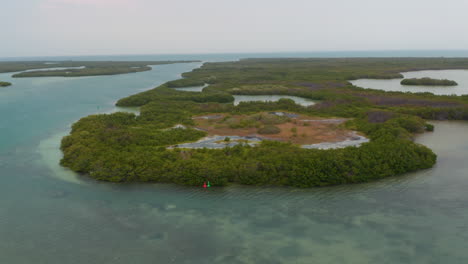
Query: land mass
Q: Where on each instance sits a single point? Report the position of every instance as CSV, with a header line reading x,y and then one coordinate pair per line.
x,y
123,147
78,68
428,82
4,84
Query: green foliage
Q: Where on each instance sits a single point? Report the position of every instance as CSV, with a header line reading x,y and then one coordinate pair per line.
x,y
269,130
124,147
165,94
120,157
428,81
270,119
411,124
429,127
4,84
185,83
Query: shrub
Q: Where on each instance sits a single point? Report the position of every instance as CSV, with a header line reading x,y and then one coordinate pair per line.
x,y
429,127
269,130
428,81
4,84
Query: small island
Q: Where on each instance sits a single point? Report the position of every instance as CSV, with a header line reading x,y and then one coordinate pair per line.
x,y
429,82
4,84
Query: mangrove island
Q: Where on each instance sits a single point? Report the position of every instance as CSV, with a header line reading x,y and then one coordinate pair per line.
x,y
428,82
194,137
4,84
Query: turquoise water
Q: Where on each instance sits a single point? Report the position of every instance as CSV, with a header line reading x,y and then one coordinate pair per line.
x,y
51,215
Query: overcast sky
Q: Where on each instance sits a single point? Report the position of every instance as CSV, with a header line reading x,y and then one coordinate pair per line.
x,y
90,27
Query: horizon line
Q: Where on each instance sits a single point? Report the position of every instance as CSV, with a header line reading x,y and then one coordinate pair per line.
x,y
239,52
235,52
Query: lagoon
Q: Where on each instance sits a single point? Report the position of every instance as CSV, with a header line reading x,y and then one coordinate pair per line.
x,y
272,98
252,98
459,76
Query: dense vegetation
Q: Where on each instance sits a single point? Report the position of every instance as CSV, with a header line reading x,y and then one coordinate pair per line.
x,y
91,68
428,81
4,84
123,147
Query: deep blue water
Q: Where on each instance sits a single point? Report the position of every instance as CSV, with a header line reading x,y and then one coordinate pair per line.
x,y
51,215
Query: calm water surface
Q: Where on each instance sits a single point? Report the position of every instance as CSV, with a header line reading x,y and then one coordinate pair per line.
x,y
460,76
50,215
252,98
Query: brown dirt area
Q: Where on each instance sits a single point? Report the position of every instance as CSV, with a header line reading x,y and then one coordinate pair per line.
x,y
309,130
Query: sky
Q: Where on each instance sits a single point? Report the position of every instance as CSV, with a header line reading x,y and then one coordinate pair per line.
x,y
104,27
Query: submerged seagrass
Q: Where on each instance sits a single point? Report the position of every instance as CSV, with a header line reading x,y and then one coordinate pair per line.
x,y
123,147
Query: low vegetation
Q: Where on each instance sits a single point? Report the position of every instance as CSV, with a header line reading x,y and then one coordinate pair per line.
x,y
428,82
4,84
122,147
269,129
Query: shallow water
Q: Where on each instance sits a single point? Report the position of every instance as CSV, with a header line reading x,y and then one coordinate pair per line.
x,y
192,89
460,76
272,98
51,215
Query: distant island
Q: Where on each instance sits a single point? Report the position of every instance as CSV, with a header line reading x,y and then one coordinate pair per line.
x,y
79,68
192,138
428,82
4,84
